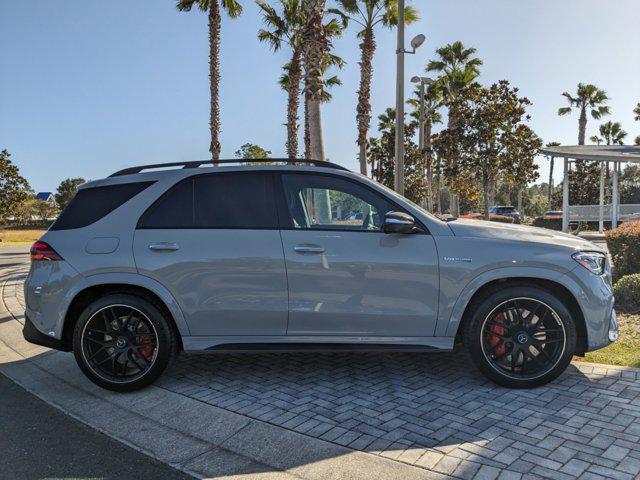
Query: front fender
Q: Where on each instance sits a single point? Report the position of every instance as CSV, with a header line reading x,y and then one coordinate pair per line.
x,y
451,317
133,279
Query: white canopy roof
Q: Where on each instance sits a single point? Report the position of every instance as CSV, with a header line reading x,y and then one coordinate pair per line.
x,y
598,153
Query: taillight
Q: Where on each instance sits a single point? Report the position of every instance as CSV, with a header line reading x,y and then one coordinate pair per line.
x,y
43,251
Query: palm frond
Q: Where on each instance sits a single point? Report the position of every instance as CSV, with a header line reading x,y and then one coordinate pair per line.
x,y
232,7
564,111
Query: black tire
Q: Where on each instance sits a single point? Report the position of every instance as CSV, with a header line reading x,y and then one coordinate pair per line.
x,y
138,354
508,320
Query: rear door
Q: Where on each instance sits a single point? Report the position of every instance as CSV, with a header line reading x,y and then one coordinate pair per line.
x,y
346,276
213,241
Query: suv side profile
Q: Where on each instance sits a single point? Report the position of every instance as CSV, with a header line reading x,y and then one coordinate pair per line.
x,y
152,261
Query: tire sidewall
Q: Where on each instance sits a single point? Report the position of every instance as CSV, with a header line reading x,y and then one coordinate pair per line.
x,y
481,309
163,328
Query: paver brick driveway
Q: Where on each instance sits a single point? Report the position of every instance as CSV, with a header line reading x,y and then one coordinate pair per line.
x,y
431,410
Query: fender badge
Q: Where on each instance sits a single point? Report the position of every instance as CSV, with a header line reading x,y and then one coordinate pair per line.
x,y
457,259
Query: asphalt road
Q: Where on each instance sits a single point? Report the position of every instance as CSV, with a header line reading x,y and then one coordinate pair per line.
x,y
38,441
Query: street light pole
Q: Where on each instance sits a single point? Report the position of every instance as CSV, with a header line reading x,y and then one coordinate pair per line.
x,y
400,51
421,115
399,150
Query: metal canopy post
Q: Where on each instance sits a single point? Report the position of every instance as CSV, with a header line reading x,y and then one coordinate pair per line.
x,y
601,218
614,197
565,197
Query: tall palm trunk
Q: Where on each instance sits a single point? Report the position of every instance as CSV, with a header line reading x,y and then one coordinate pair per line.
x,y
363,115
582,126
307,134
427,161
438,187
214,78
550,184
454,202
315,45
293,104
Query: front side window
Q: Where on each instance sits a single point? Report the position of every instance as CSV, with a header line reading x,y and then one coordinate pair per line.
x,y
325,202
225,200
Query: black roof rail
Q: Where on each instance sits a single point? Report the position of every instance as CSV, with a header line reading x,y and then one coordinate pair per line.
x,y
198,163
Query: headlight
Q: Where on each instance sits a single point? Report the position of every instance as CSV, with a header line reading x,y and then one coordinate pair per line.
x,y
592,261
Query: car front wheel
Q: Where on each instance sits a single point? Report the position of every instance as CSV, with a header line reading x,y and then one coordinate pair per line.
x,y
520,336
123,342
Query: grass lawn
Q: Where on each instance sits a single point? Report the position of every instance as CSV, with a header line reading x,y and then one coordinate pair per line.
x,y
626,351
11,238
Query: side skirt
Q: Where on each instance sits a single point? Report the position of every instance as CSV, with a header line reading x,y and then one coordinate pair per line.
x,y
316,343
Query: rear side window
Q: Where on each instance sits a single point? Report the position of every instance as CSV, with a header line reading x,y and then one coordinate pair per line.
x,y
91,204
226,200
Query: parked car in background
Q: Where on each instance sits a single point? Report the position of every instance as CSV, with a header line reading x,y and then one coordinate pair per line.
x,y
552,214
156,260
507,211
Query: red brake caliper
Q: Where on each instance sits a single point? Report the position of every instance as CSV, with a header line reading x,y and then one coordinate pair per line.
x,y
146,345
493,339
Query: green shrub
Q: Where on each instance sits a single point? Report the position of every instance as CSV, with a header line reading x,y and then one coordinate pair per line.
x,y
500,218
627,292
552,223
624,246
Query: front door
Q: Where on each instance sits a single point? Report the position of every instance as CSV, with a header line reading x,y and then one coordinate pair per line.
x,y
213,241
346,276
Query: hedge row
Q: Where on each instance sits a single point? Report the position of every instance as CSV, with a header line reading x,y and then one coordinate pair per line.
x,y
627,293
624,246
492,217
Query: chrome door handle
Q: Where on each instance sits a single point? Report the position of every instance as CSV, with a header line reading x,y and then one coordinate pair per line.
x,y
308,249
164,247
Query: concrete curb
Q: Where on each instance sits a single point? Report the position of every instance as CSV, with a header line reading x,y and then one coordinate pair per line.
x,y
199,439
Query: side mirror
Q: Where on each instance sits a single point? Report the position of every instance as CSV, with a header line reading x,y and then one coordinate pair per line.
x,y
398,222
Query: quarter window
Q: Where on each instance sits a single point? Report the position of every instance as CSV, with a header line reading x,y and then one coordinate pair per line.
x,y
325,202
225,200
91,204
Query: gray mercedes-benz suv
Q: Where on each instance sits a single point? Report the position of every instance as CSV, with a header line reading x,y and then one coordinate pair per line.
x,y
285,256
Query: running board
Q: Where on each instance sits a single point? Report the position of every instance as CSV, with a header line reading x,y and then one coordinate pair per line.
x,y
306,344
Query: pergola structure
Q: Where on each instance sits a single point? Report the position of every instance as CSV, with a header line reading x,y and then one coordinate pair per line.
x,y
616,154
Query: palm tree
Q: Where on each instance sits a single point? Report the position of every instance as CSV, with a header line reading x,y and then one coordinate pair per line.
x,y
315,45
367,14
432,102
458,68
636,141
328,83
613,133
233,9
588,98
287,28
550,191
636,112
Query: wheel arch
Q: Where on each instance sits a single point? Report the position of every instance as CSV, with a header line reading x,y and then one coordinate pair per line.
x,y
554,287
96,289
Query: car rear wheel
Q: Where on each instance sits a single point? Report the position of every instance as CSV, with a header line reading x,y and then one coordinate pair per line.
x,y
520,336
123,342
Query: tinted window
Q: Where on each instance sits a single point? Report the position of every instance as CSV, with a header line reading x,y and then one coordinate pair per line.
x,y
91,204
242,200
172,210
325,202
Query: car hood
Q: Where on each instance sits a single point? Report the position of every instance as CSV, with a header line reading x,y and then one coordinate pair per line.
x,y
522,233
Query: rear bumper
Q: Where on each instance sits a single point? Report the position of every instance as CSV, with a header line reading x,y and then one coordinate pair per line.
x,y
32,335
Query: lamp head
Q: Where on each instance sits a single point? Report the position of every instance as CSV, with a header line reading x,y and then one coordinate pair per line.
x,y
417,41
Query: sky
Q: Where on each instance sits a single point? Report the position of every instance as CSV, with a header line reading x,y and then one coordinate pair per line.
x,y
89,87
